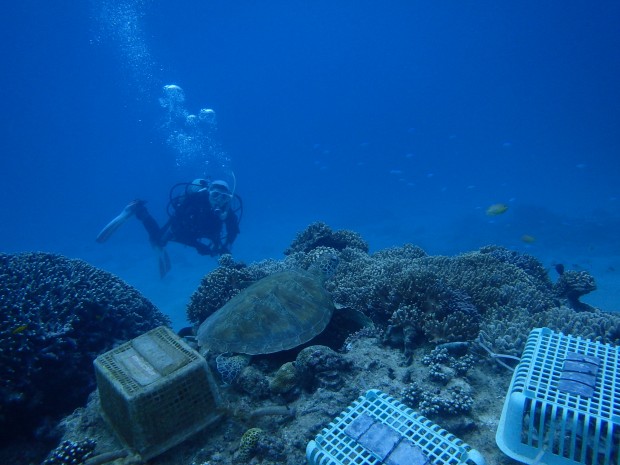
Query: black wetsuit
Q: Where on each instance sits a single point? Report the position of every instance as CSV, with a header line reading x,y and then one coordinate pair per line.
x,y
193,219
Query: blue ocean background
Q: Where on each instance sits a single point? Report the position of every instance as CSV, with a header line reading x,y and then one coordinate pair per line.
x,y
401,120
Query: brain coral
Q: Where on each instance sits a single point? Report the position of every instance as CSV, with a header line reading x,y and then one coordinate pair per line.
x,y
56,316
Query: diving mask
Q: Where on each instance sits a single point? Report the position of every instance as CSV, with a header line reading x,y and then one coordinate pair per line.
x,y
219,201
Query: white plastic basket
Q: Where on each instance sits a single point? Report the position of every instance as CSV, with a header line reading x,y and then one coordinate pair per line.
x,y
563,404
406,437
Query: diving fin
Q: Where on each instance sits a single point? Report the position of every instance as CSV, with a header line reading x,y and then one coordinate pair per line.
x,y
164,262
118,221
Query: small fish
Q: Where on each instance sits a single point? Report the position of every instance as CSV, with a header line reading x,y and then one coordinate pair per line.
x,y
528,239
20,329
497,209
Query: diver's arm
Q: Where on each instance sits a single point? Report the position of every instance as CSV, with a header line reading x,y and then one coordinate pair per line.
x,y
232,229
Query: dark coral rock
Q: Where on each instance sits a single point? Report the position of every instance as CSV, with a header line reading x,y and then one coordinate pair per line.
x,y
253,382
320,235
56,316
271,449
574,284
404,329
320,366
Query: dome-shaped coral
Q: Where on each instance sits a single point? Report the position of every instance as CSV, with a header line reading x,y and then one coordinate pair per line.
x,y
56,316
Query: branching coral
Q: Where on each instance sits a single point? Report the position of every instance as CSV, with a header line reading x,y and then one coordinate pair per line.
x,y
416,298
572,285
216,288
320,235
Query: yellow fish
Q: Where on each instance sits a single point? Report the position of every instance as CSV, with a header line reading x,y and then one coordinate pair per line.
x,y
528,239
497,209
20,329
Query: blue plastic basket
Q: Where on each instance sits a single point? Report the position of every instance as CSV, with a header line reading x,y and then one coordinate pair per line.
x,y
399,436
563,404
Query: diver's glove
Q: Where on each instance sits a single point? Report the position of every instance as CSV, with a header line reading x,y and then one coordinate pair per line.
x,y
204,249
224,249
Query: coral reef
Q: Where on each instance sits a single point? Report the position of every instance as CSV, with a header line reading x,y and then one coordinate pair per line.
x,y
217,288
285,379
572,285
229,366
248,443
320,235
430,320
71,453
433,405
56,316
253,382
320,366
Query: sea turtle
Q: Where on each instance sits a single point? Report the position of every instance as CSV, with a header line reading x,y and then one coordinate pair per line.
x,y
278,312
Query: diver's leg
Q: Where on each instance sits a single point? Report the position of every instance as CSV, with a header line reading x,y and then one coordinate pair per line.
x,y
119,220
149,223
163,236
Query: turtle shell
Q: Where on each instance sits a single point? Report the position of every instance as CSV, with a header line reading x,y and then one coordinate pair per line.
x,y
278,312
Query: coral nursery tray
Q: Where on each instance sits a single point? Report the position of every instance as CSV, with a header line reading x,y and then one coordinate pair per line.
x,y
563,404
377,429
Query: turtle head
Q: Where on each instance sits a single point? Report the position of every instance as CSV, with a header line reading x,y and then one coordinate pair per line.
x,y
325,264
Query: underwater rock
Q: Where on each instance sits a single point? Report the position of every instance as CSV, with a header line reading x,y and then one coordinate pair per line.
x,y
319,366
253,382
285,379
56,316
270,449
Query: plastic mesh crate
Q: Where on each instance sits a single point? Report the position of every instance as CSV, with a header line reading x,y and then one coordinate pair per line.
x,y
155,391
423,440
563,404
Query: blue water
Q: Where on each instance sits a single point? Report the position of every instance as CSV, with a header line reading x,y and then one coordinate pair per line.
x,y
401,120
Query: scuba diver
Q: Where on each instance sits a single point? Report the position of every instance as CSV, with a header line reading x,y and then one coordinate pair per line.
x,y
198,210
